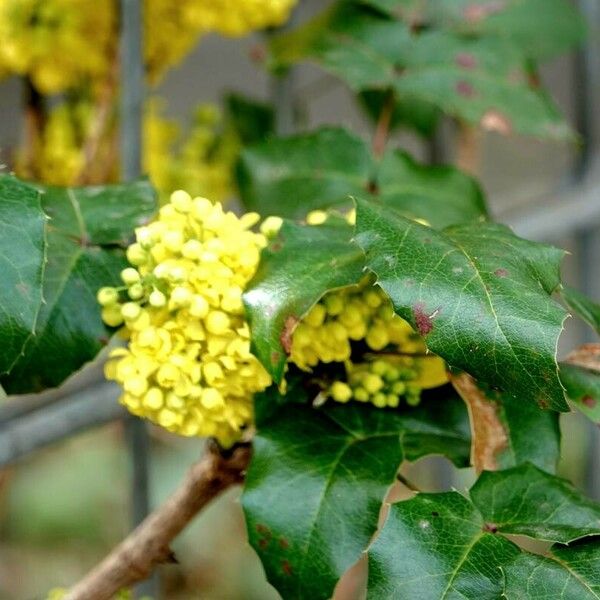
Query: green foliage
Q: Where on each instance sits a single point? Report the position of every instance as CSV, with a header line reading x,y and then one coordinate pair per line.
x,y
582,306
583,388
481,79
22,262
298,267
292,176
445,546
318,478
86,233
479,294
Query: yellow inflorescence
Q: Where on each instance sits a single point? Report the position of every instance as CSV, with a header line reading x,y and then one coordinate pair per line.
x,y
188,365
394,360
60,44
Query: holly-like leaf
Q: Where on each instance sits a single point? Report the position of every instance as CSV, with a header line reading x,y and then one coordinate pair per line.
x,y
297,268
582,306
22,258
528,501
569,573
292,176
436,546
318,478
478,294
86,233
481,80
440,195
540,28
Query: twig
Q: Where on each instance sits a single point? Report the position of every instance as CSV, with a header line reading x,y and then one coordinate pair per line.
x,y
468,148
148,546
382,130
35,121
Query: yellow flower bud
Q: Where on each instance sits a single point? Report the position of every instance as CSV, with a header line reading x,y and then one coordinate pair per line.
x,y
107,296
130,276
217,322
341,391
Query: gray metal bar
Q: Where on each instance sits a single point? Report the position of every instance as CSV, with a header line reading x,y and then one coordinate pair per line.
x,y
132,99
89,408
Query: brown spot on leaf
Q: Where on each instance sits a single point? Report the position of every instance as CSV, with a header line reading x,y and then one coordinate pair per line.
x,y
490,527
286,568
276,246
586,356
423,321
263,543
466,60
372,187
465,89
494,120
286,334
501,273
284,543
589,402
263,530
543,403
488,436
275,358
476,12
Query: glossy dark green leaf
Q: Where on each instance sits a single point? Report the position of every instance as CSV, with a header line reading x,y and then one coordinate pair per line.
x,y
532,435
294,175
296,270
540,28
528,501
440,195
569,573
583,388
22,256
436,546
479,295
87,230
481,80
582,306
317,480
291,176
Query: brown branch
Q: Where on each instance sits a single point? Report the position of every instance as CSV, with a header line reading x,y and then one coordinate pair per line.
x,y
488,436
382,130
35,121
468,148
147,546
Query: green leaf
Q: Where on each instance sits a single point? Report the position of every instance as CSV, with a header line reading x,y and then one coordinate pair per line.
x,y
251,120
540,28
415,114
582,306
296,270
570,573
22,256
440,195
481,80
583,388
527,501
292,176
87,231
436,546
533,435
318,478
479,294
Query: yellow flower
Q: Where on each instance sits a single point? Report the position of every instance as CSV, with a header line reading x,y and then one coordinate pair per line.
x,y
188,365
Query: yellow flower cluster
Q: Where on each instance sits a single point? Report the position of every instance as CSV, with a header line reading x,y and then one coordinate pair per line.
x,y
188,365
60,44
361,318
57,43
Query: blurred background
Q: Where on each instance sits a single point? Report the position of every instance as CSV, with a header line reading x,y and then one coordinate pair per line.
x,y
63,507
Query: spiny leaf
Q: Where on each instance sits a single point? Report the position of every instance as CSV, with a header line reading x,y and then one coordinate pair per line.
x,y
296,270
569,573
87,230
318,477
22,256
477,293
436,546
528,501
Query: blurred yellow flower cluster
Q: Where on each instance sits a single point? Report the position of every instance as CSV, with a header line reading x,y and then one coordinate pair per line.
x,y
188,365
60,44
